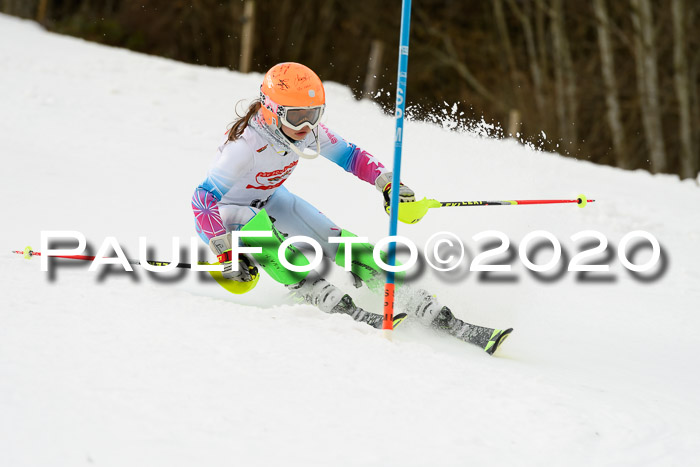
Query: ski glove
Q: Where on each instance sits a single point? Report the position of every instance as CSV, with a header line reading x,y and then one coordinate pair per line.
x,y
383,184
221,246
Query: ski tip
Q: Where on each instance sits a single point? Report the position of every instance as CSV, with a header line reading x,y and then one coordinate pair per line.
x,y
398,319
497,338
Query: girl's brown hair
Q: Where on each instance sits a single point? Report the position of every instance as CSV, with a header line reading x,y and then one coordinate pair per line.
x,y
239,125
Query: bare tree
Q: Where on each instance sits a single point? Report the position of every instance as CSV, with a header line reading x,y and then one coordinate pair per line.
x,y
22,8
447,55
694,73
688,157
327,18
374,62
647,82
514,89
541,28
41,11
247,36
695,102
567,104
612,102
532,56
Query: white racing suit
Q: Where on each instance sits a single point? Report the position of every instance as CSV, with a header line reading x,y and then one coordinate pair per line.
x,y
247,175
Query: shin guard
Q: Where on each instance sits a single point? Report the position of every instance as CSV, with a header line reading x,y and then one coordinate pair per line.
x,y
268,258
363,264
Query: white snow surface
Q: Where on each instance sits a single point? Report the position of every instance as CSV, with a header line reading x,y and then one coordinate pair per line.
x,y
119,368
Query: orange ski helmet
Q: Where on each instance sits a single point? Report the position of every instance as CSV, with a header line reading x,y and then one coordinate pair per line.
x,y
293,95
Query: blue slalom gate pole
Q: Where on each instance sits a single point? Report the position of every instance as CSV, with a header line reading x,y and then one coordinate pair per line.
x,y
398,145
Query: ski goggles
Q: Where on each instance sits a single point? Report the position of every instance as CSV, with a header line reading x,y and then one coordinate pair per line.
x,y
297,118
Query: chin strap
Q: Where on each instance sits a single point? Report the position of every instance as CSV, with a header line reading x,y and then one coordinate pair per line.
x,y
305,155
276,137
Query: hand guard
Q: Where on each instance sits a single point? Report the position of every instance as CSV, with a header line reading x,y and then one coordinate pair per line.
x,y
221,246
383,184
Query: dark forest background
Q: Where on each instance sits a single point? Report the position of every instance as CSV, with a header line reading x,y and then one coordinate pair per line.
x,y
611,81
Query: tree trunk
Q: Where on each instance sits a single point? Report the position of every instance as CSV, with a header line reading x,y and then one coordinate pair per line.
x,y
688,158
568,78
695,82
541,28
21,8
41,11
247,36
327,20
514,88
285,9
374,64
515,123
544,52
563,79
695,104
612,101
531,48
296,34
647,83
560,103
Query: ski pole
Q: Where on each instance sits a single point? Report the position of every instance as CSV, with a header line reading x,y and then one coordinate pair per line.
x,y
410,213
230,285
581,201
28,253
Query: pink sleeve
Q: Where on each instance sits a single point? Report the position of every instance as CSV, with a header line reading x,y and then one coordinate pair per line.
x,y
365,166
350,157
206,214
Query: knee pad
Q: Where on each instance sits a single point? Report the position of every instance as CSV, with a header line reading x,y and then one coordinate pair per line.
x,y
363,264
268,258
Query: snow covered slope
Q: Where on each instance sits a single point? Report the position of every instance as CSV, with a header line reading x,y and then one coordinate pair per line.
x,y
132,369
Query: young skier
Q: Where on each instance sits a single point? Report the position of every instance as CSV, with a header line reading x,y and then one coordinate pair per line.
x,y
244,191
